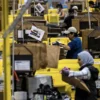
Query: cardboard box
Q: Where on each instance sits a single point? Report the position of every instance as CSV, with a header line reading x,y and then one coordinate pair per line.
x,y
42,55
85,34
75,82
81,22
53,53
93,14
28,22
38,50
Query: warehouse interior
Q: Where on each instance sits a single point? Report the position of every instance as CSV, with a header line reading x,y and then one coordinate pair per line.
x,y
38,39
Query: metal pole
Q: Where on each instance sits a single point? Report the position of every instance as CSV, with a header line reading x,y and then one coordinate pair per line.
x,y
13,68
89,18
6,53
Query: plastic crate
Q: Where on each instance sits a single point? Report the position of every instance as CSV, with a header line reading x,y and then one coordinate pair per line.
x,y
52,11
53,18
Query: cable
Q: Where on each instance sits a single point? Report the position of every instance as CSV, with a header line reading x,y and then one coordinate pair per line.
x,y
89,17
13,65
22,21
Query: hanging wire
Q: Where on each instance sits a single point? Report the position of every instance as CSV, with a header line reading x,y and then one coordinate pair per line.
x,y
89,18
13,46
22,21
34,7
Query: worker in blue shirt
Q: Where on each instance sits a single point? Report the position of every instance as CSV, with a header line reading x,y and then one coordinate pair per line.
x,y
75,46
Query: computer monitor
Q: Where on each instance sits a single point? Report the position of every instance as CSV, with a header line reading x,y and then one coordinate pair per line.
x,y
22,63
22,36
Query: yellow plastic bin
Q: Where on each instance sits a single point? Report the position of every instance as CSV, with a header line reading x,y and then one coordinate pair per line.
x,y
53,18
52,11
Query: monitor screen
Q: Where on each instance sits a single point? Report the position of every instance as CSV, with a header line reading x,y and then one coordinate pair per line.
x,y
22,36
22,62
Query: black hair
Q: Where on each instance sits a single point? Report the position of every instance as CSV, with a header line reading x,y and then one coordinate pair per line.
x,y
71,11
91,2
59,6
75,34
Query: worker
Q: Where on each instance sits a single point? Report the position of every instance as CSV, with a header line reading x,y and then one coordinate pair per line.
x,y
68,20
75,8
75,46
60,10
87,73
93,6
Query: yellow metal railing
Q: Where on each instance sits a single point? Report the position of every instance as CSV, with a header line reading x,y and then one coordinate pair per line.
x,y
6,52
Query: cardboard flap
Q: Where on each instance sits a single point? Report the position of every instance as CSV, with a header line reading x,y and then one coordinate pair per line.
x,y
75,82
53,53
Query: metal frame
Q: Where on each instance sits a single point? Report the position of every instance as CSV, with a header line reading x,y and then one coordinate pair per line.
x,y
6,45
6,52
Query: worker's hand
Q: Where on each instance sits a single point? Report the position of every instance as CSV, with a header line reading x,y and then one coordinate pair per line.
x,y
65,71
61,45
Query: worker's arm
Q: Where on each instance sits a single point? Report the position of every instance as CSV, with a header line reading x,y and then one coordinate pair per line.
x,y
83,74
63,13
66,47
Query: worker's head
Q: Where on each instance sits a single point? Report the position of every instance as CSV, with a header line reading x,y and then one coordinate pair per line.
x,y
91,4
71,11
85,58
59,6
71,32
75,8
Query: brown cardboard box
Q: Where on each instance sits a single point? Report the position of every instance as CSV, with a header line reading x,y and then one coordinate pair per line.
x,y
53,53
76,22
43,56
95,15
85,34
38,21
75,82
38,50
28,22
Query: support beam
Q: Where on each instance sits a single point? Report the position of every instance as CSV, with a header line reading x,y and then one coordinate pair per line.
x,y
6,44
6,52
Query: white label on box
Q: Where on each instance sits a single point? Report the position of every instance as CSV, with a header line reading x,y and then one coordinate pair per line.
x,y
20,34
39,8
22,65
36,33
